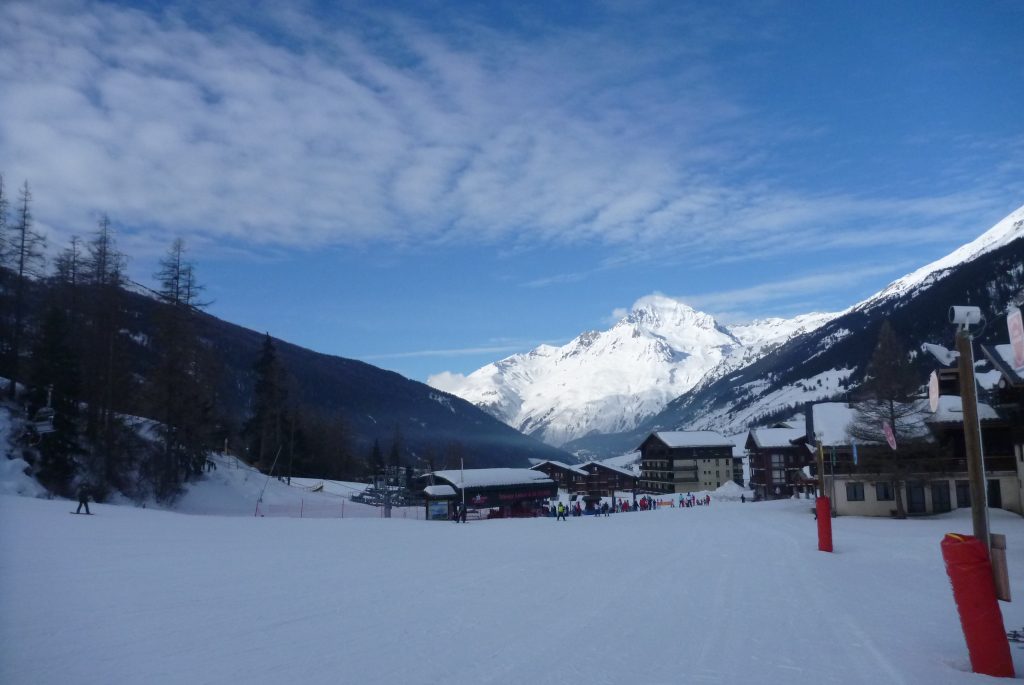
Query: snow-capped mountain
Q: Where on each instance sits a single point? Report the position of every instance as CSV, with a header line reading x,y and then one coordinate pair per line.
x,y
830,361
608,381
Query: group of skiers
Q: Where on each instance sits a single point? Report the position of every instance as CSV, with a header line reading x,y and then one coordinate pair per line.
x,y
559,511
694,501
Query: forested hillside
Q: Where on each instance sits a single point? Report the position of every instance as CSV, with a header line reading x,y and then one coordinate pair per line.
x,y
78,335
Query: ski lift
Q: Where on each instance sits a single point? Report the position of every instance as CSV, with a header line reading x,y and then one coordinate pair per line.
x,y
41,422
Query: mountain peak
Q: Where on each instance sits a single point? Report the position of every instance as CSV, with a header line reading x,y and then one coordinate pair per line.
x,y
661,310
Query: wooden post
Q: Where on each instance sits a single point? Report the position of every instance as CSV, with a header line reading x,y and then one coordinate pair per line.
x,y
972,438
821,467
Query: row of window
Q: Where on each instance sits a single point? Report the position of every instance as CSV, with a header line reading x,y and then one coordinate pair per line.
x,y
855,492
884,493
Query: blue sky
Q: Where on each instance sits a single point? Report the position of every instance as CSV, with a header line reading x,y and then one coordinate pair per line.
x,y
432,186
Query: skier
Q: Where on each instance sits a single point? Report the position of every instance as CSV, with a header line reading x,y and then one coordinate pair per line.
x,y
743,499
462,513
83,499
561,512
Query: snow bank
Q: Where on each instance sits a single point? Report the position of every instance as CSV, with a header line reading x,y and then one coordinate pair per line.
x,y
730,491
236,489
13,477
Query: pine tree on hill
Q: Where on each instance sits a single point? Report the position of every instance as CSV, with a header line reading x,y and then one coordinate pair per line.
x,y
180,389
24,253
265,430
108,386
890,395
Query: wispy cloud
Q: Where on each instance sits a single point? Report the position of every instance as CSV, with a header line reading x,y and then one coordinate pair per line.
x,y
294,132
455,352
342,137
764,295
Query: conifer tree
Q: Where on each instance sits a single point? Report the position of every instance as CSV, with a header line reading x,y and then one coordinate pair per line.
x,y
265,430
55,378
890,394
375,461
180,390
25,255
107,382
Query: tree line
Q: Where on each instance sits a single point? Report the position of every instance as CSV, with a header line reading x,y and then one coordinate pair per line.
x,y
66,346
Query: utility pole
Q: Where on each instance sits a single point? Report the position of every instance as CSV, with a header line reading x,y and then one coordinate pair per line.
x,y
972,437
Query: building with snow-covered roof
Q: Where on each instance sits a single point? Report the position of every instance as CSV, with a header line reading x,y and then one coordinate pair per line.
x,y
685,461
607,479
568,476
1008,399
506,492
927,473
777,456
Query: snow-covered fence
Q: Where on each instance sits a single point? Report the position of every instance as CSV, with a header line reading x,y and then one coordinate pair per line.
x,y
323,508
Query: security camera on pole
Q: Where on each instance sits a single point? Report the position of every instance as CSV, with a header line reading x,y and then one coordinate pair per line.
x,y
968,558
964,318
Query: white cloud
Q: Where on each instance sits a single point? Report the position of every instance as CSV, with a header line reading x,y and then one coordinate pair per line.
x,y
454,352
335,134
781,293
228,135
447,381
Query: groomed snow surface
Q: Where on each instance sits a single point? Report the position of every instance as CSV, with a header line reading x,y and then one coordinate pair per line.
x,y
731,593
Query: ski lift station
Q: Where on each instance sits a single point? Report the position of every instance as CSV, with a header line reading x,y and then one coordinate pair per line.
x,y
506,492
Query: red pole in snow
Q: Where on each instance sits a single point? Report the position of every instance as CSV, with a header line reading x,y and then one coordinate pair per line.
x,y
824,510
970,574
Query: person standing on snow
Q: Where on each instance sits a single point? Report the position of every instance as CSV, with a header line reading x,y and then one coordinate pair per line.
x,y
561,512
83,499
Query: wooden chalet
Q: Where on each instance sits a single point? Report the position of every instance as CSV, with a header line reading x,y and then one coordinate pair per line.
x,y
777,456
569,477
604,479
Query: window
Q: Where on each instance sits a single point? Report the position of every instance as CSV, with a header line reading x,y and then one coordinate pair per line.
x,y
855,492
963,494
883,492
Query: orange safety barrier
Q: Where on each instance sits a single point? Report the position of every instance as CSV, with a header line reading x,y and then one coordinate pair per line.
x,y
823,509
974,591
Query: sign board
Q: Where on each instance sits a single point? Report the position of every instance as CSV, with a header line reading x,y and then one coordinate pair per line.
x,y
933,392
438,510
1016,327
890,437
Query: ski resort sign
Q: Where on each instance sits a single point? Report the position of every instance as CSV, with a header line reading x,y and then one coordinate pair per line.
x,y
1016,328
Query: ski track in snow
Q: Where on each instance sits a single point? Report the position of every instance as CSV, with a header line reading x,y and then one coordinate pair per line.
x,y
724,594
